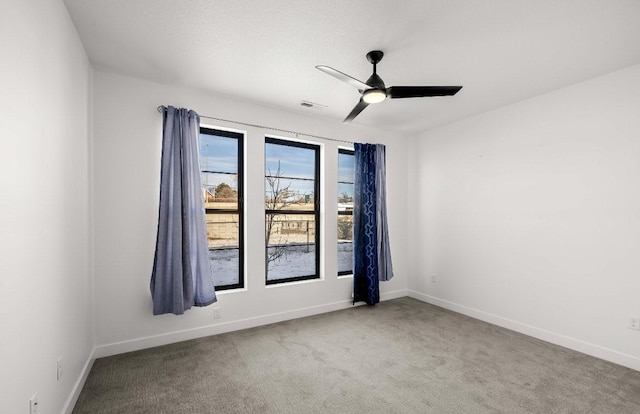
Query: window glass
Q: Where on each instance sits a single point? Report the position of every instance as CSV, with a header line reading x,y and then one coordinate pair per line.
x,y
221,168
292,213
346,178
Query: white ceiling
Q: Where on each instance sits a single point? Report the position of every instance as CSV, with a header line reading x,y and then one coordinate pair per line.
x,y
501,51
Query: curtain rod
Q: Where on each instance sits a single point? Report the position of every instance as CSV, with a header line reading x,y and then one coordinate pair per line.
x,y
161,108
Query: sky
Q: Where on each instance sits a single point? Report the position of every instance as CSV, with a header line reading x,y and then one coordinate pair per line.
x,y
346,168
219,154
346,174
294,161
297,165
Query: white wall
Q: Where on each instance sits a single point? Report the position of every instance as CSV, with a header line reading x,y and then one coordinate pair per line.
x,y
127,134
45,283
529,216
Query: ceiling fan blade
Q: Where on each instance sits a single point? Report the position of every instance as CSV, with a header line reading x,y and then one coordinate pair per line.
x,y
421,91
356,110
360,86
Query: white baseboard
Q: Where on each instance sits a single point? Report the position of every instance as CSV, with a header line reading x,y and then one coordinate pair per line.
x,y
77,387
185,335
552,337
394,294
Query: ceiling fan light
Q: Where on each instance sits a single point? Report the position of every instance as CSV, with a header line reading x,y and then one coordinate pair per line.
x,y
372,96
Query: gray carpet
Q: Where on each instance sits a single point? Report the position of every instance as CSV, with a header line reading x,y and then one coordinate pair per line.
x,y
401,356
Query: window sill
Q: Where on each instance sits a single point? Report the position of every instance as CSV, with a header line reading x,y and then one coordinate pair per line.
x,y
224,292
297,282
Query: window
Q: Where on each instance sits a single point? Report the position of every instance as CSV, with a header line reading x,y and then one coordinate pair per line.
x,y
346,178
292,211
221,167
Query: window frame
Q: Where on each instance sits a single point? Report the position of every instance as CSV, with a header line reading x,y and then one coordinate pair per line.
x,y
240,137
315,212
346,212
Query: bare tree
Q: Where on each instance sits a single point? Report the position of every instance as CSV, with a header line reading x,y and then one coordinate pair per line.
x,y
278,198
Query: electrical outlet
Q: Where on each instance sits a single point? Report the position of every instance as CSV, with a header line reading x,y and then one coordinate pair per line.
x,y
433,278
59,371
634,322
33,404
216,314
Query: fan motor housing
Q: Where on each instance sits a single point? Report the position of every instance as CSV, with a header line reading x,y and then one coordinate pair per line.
x,y
376,82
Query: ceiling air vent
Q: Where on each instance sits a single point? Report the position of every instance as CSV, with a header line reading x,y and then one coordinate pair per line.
x,y
313,105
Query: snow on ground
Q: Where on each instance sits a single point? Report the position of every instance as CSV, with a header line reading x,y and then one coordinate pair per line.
x,y
298,261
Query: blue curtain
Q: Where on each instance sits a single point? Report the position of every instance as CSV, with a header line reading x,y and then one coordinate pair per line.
x,y
371,251
181,276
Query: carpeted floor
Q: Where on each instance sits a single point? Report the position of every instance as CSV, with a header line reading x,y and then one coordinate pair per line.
x,y
401,356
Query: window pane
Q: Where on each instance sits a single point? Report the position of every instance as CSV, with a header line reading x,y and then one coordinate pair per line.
x,y
292,213
345,243
224,248
219,165
346,178
221,172
290,245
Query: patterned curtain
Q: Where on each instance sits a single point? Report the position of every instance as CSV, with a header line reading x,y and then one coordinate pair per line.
x,y
371,251
181,276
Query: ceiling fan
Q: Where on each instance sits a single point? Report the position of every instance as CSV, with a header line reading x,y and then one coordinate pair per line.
x,y
374,90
